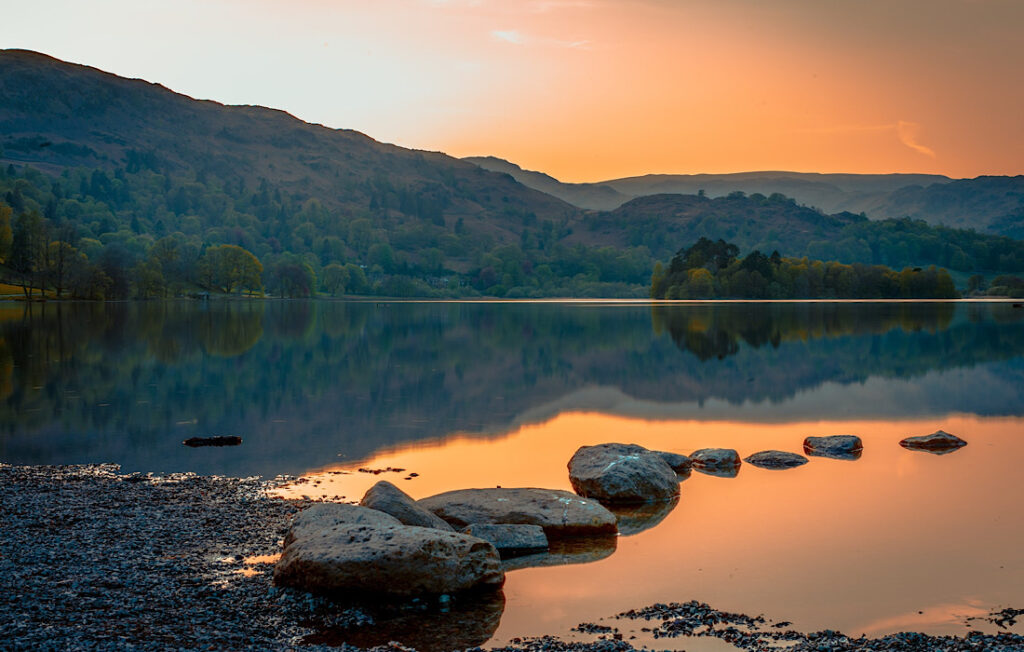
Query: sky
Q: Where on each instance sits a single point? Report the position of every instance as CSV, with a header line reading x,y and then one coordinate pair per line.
x,y
587,90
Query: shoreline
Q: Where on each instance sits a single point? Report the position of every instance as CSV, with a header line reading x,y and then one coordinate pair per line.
x,y
93,558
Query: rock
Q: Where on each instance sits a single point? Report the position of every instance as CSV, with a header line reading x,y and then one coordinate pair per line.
x,y
776,460
324,516
560,513
715,459
195,442
396,560
510,539
679,463
622,473
567,551
839,447
388,498
634,519
939,442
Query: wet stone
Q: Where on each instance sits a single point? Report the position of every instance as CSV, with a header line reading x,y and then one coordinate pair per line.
x,y
939,443
510,539
713,459
840,447
622,473
776,460
388,498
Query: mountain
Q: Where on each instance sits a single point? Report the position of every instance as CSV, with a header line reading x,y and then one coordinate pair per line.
x,y
57,116
594,196
989,203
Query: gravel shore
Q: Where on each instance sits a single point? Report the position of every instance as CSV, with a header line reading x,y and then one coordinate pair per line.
x,y
94,559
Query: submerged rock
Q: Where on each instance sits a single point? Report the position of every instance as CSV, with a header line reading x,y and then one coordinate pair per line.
x,y
324,516
715,459
839,447
560,513
681,464
776,460
939,442
388,498
510,539
567,551
390,560
622,473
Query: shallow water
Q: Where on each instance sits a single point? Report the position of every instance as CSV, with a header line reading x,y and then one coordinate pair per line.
x,y
476,395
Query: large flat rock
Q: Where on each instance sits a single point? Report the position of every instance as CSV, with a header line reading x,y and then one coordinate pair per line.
x,y
622,473
386,497
391,560
324,516
560,513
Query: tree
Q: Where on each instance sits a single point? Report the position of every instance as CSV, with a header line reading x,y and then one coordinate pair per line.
x,y
28,249
6,234
334,279
228,268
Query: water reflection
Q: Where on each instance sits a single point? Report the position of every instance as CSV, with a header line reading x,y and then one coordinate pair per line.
x,y
304,383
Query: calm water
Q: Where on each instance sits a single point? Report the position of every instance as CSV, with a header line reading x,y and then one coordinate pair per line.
x,y
470,394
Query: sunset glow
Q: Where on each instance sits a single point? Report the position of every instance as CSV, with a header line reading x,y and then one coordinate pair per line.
x,y
592,89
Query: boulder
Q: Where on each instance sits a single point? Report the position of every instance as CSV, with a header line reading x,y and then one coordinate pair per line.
x,y
395,560
510,539
715,459
776,460
386,497
324,516
560,513
939,442
622,473
840,447
679,463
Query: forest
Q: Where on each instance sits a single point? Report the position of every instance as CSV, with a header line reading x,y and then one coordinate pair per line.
x,y
712,270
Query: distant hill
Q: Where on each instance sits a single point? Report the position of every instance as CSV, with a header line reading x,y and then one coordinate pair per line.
x,y
993,203
594,196
666,223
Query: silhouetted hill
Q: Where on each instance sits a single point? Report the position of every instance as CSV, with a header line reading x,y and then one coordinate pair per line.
x,y
990,203
594,196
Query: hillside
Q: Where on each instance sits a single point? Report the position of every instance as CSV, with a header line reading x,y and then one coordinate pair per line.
x,y
994,204
664,222
58,116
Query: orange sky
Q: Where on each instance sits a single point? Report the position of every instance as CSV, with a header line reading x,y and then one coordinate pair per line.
x,y
593,89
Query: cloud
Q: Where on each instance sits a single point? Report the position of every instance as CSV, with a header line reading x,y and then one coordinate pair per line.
x,y
907,132
509,36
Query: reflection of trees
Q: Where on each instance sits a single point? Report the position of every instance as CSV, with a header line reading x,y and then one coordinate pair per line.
x,y
352,377
715,330
230,328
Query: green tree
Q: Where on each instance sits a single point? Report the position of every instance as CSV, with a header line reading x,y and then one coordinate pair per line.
x,y
334,279
228,268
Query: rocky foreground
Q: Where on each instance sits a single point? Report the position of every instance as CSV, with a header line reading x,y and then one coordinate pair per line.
x,y
94,559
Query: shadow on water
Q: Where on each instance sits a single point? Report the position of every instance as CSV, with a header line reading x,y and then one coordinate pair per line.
x,y
309,383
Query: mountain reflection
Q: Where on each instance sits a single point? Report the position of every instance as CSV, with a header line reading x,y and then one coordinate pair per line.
x,y
306,382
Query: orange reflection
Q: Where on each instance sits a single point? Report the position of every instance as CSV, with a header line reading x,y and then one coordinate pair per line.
x,y
832,544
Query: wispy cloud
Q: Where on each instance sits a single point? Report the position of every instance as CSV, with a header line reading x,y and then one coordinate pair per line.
x,y
509,36
906,132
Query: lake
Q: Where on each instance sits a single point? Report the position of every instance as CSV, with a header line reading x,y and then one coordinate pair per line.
x,y
479,394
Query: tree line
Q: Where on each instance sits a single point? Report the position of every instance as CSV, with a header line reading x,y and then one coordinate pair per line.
x,y
709,270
